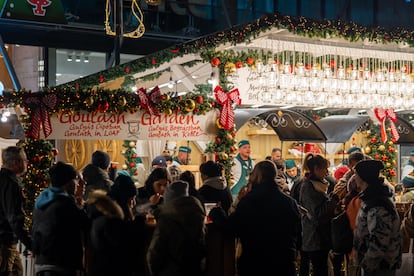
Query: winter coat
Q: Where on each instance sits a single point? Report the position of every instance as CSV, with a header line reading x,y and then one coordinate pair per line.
x,y
178,244
117,247
267,221
316,225
12,217
377,237
58,230
215,190
96,178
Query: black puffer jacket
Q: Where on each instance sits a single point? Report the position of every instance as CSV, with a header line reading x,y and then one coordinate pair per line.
x,y
58,230
117,246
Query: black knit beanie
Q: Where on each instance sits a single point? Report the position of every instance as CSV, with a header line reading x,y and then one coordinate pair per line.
x,y
123,189
100,159
61,173
369,170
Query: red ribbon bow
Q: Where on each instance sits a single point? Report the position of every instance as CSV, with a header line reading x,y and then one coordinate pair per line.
x,y
148,101
382,115
226,100
40,104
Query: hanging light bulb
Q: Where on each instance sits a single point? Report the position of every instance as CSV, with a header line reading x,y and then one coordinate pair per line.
x,y
211,79
170,83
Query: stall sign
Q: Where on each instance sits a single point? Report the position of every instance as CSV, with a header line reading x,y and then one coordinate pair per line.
x,y
249,84
140,126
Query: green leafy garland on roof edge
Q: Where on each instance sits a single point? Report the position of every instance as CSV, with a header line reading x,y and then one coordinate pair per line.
x,y
80,95
244,33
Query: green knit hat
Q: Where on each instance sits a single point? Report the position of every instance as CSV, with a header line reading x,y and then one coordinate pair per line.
x,y
184,149
243,143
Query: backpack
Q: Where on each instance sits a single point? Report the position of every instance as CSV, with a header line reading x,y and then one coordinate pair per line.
x,y
342,235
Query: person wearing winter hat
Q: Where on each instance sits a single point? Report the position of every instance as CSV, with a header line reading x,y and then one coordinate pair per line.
x,y
183,157
159,162
57,218
96,173
340,172
124,192
242,167
175,190
101,159
408,191
377,237
178,244
292,172
354,149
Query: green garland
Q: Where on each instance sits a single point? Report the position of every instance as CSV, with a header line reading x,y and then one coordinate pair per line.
x,y
204,46
40,155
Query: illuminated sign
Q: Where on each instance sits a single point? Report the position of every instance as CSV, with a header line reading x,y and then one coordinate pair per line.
x,y
50,11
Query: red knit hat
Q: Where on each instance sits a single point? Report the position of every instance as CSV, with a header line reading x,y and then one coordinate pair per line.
x,y
340,172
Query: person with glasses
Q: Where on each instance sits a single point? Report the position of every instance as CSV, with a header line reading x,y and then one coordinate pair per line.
x,y
12,217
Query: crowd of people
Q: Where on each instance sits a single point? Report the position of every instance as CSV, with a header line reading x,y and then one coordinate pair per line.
x,y
279,212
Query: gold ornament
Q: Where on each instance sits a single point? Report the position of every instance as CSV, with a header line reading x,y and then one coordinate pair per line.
x,y
390,143
367,149
122,101
89,101
166,97
189,105
394,162
153,2
137,15
388,164
168,111
381,148
218,124
223,156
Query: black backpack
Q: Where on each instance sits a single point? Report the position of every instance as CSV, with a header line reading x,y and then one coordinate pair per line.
x,y
341,234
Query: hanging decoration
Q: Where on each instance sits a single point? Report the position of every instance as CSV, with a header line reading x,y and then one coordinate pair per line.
x,y
226,119
382,115
135,13
40,105
149,101
384,151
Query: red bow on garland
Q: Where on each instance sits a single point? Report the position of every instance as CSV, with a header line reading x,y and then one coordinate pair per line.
x,y
382,115
226,100
40,104
148,101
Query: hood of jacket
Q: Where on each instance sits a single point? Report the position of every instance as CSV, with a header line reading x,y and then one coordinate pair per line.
x,y
96,177
49,195
105,205
186,210
216,182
